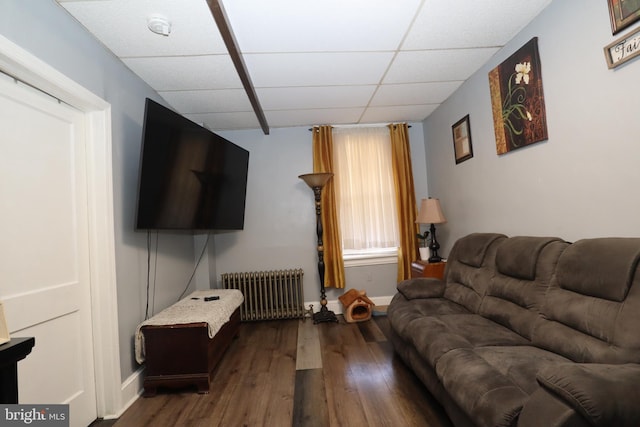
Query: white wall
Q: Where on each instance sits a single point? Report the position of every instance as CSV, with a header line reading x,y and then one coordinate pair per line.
x,y
279,231
48,32
582,181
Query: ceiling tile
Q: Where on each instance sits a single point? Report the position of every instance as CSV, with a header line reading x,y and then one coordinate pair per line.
x,y
122,26
186,73
208,101
414,93
317,69
310,62
226,121
443,24
409,113
315,97
288,118
320,26
437,65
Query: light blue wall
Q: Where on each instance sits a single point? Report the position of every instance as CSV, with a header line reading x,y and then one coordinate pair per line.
x,y
45,30
580,183
279,230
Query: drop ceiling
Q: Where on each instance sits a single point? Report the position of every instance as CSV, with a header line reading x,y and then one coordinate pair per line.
x,y
310,62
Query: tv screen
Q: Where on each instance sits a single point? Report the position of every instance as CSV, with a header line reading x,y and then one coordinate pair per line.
x,y
190,178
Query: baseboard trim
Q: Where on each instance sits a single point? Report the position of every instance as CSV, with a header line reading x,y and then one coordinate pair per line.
x,y
130,390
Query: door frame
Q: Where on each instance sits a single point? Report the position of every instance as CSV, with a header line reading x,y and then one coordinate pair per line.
x,y
97,114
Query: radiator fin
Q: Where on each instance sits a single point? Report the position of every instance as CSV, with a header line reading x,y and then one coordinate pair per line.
x,y
268,295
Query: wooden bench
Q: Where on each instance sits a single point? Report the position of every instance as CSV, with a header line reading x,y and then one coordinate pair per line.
x,y
183,354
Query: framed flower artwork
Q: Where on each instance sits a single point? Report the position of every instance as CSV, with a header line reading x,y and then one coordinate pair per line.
x,y
517,100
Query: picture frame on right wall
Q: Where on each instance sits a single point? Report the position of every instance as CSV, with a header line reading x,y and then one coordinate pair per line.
x,y
623,13
462,147
623,49
517,100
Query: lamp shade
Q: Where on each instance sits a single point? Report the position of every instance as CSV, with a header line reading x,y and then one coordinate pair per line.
x,y
316,179
430,212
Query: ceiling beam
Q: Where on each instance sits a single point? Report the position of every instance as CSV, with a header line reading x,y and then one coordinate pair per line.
x,y
220,16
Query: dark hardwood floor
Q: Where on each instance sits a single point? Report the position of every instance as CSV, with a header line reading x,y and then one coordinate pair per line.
x,y
355,380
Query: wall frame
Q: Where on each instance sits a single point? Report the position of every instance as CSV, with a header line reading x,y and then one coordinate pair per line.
x,y
517,100
462,146
623,13
623,49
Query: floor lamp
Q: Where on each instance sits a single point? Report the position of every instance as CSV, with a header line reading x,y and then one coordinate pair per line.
x,y
316,181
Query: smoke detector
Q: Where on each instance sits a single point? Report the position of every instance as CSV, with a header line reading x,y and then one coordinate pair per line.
x,y
159,25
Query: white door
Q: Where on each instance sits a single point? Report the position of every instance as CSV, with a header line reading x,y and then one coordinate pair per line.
x,y
44,255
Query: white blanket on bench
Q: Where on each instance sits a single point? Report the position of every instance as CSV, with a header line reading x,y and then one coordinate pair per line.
x,y
194,309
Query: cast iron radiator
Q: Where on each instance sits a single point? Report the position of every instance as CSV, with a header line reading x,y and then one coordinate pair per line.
x,y
268,295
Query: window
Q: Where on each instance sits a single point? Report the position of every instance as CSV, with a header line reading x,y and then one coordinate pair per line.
x,y
365,194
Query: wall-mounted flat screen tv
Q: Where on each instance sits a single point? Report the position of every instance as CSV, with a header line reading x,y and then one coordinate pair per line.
x,y
190,178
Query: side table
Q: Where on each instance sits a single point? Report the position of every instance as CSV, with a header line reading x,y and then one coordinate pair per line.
x,y
421,268
10,353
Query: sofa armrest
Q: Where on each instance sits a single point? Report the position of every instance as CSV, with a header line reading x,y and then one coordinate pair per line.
x,y
606,395
421,287
545,408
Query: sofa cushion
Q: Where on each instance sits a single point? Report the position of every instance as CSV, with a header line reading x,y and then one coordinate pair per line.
x,y
421,287
470,267
402,312
515,295
492,384
518,256
435,336
489,398
578,346
520,364
585,318
472,249
601,268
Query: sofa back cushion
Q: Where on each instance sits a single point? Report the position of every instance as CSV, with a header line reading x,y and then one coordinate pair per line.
x,y
520,257
469,268
592,308
524,268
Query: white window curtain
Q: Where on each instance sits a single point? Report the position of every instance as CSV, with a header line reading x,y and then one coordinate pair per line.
x,y
365,189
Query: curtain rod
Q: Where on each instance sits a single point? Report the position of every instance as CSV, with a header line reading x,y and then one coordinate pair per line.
x,y
372,125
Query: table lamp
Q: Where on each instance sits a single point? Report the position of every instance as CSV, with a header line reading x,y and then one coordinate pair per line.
x,y
430,212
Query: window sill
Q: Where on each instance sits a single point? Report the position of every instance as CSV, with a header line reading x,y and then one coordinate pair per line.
x,y
358,259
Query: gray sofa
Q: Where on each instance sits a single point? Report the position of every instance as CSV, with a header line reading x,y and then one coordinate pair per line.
x,y
527,331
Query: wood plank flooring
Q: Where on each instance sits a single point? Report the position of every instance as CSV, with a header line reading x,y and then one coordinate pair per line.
x,y
294,373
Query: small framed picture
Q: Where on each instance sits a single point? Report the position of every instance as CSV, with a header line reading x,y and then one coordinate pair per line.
x,y
462,147
623,13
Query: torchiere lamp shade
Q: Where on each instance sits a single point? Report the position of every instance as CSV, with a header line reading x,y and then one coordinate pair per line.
x,y
316,179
